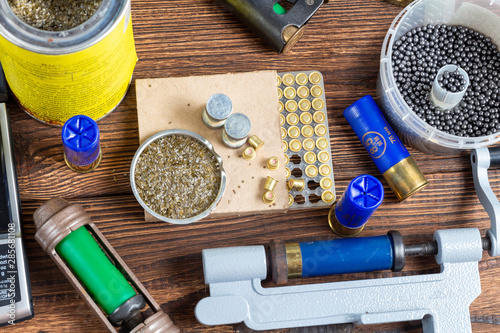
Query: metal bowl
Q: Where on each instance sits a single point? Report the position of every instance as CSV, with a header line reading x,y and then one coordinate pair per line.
x,y
200,139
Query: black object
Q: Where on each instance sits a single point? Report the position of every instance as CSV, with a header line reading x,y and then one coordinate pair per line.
x,y
15,292
281,31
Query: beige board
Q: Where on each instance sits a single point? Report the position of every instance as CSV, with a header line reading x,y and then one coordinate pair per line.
x,y
178,103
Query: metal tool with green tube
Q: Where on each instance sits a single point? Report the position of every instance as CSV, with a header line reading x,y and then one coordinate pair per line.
x,y
97,272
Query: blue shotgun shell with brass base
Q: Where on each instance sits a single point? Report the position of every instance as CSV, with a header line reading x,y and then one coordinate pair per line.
x,y
385,148
362,197
81,140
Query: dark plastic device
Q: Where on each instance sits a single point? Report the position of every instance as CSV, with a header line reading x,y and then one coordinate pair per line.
x,y
15,291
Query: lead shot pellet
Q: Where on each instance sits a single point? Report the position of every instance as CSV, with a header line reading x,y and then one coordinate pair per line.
x,y
348,216
82,149
273,163
236,129
217,109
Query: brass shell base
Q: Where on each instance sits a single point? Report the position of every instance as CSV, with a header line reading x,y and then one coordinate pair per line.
x,y
339,229
405,178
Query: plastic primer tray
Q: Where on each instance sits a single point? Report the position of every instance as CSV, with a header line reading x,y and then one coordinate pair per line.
x,y
306,140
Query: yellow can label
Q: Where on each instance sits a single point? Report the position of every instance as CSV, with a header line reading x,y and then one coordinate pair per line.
x,y
92,82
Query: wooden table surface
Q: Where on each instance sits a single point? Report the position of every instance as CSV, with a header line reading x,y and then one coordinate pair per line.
x,y
182,38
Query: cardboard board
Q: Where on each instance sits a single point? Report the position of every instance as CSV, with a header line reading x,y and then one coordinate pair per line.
x,y
178,103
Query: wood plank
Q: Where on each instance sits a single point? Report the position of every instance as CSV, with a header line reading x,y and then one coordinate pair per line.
x,y
180,38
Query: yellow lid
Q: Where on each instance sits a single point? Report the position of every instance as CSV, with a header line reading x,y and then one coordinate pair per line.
x,y
317,104
310,157
308,144
323,156
324,170
305,118
294,132
295,145
292,119
322,143
311,171
307,131
316,91
325,183
288,79
301,78
291,106
327,196
304,105
302,92
315,77
289,92
319,117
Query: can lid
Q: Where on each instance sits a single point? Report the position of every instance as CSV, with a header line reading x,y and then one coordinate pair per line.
x,y
80,134
366,192
219,106
237,126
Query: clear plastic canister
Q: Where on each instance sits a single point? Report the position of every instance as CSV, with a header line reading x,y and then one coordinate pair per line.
x,y
482,16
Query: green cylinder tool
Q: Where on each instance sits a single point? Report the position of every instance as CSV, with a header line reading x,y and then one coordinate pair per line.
x,y
97,272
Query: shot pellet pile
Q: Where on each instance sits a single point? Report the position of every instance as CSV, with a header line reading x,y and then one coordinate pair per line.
x,y
418,56
177,177
452,81
54,15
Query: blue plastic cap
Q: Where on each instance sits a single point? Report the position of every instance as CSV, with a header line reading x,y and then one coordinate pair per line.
x,y
80,136
359,201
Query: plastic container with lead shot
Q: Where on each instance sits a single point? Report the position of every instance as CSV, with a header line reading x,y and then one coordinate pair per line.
x,y
363,196
481,15
95,269
81,141
384,147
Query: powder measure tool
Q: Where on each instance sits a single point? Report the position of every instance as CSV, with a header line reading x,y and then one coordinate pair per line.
x,y
278,27
441,301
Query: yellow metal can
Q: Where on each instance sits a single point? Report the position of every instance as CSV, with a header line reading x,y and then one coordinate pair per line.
x,y
59,74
